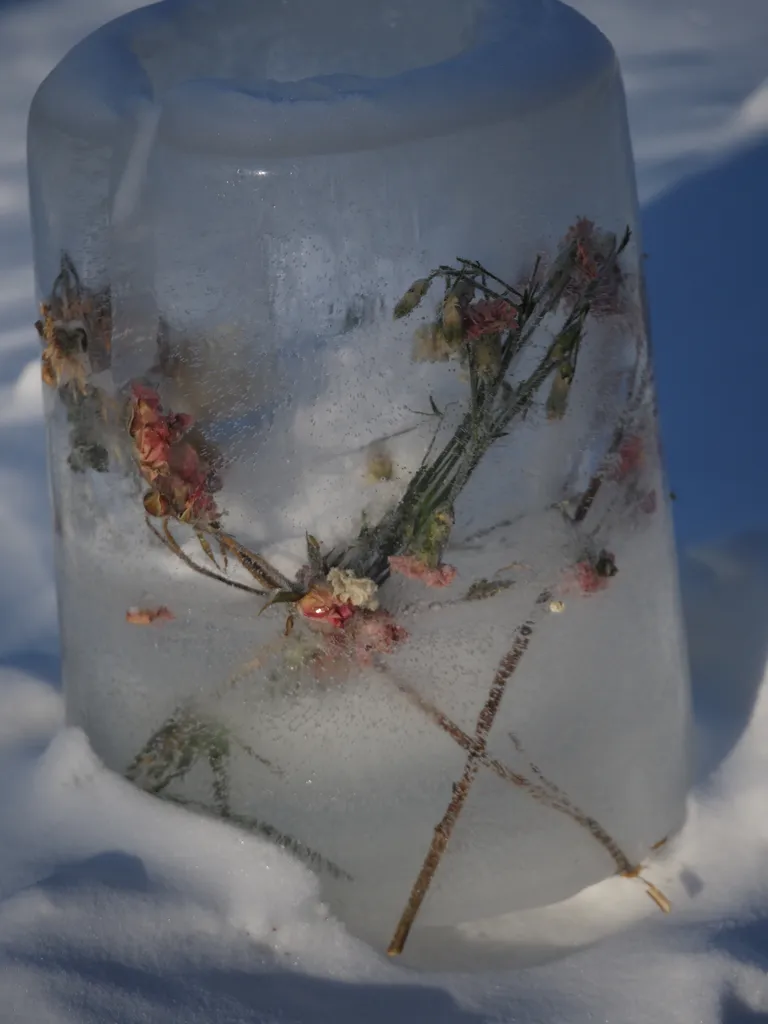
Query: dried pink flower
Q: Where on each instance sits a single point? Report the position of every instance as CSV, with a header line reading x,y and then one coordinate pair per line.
x,y
182,480
490,316
629,457
648,503
321,605
415,568
592,248
374,633
146,616
593,574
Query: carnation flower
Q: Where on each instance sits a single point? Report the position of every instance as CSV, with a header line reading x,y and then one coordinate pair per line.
x,y
592,249
415,568
181,479
593,575
629,457
320,604
355,590
490,316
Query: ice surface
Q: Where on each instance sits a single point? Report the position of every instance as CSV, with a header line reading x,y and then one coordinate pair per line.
x,y
258,293
256,83
91,945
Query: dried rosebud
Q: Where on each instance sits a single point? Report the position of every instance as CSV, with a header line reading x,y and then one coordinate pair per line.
x,y
322,605
557,401
169,461
378,464
490,316
452,319
146,616
486,351
155,504
430,345
412,297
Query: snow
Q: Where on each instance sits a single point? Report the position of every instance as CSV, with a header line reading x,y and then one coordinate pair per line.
x,y
116,908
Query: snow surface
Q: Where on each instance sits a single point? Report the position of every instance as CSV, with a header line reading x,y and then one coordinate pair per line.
x,y
117,908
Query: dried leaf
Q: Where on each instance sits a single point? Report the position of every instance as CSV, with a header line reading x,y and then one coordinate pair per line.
x,y
314,554
282,597
146,616
482,589
657,896
205,545
557,402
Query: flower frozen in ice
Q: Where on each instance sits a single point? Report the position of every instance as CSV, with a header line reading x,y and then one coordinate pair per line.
x,y
412,297
592,249
182,480
490,316
431,345
75,328
320,604
629,457
375,632
358,591
415,568
594,574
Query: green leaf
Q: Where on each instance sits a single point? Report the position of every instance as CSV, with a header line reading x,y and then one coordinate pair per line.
x,y
314,554
282,597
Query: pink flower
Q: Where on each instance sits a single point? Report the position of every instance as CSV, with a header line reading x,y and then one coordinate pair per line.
x,y
415,568
145,396
375,633
181,478
592,248
648,503
320,605
490,316
361,635
593,575
629,457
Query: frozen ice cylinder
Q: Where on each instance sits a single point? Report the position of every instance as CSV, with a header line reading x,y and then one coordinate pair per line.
x,y
363,540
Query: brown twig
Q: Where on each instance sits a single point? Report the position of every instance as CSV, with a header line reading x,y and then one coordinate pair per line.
x,y
546,792
462,789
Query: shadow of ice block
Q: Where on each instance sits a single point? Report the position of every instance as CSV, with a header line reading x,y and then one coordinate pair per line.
x,y
245,192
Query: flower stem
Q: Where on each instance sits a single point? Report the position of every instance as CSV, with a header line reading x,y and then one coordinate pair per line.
x,y
444,829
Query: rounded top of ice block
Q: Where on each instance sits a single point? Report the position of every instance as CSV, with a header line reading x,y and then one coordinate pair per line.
x,y
288,78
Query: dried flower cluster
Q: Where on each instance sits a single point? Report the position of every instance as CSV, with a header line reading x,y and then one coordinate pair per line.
x,y
75,329
592,264
337,603
182,482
